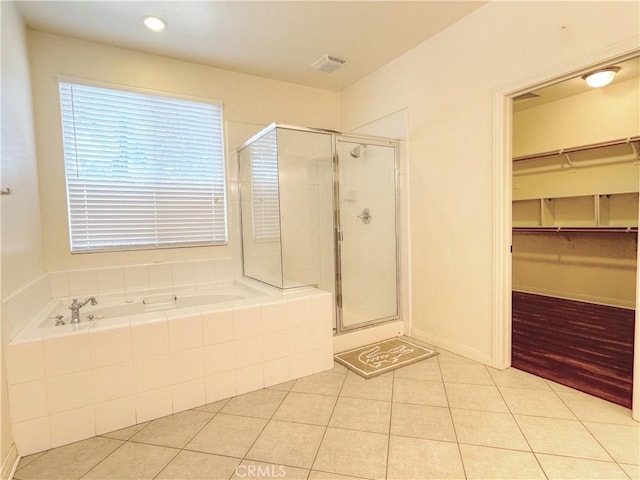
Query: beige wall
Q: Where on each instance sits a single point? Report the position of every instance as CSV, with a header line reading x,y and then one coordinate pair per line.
x,y
598,115
598,268
22,258
247,100
21,252
447,85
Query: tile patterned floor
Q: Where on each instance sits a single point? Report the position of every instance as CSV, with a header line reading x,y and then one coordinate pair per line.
x,y
444,417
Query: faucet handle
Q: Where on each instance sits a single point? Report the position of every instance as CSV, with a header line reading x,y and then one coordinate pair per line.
x,y
59,320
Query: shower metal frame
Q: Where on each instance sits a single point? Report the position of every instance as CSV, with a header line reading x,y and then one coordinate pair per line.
x,y
337,137
338,237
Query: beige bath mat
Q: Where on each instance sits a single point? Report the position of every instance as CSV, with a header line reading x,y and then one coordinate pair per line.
x,y
382,357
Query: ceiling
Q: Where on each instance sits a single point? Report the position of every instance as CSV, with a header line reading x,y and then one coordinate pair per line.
x,y
629,70
273,39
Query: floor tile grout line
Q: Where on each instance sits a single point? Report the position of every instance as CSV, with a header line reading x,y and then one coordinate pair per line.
x,y
168,463
624,471
181,449
40,455
315,457
124,442
268,420
524,415
536,454
455,431
34,460
184,447
513,416
574,416
393,384
577,458
587,429
244,457
332,473
515,420
275,411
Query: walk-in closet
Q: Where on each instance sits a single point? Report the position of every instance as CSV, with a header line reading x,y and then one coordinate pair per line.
x,y
575,233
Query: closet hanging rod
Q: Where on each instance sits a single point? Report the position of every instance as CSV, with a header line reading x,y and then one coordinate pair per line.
x,y
622,141
576,229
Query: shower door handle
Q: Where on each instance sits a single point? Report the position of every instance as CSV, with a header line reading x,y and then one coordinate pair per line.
x,y
365,216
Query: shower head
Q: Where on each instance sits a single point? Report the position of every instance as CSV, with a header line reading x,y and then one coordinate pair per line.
x,y
355,153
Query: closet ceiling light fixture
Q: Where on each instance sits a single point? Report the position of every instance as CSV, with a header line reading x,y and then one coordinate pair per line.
x,y
154,23
601,77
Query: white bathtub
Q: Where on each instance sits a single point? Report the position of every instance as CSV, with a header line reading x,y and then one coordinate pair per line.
x,y
111,307
147,355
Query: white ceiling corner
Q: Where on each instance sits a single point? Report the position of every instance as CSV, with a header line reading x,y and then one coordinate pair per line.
x,y
273,39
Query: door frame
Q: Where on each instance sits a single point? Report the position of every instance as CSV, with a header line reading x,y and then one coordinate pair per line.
x,y
502,198
378,141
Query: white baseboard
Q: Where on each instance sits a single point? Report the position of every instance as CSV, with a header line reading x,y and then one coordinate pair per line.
x,y
10,463
365,336
463,350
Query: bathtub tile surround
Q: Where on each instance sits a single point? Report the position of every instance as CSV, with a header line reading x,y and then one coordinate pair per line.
x,y
150,340
23,304
26,302
133,278
28,362
72,384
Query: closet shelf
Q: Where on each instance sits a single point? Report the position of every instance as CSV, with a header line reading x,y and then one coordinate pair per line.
x,y
606,212
564,151
598,229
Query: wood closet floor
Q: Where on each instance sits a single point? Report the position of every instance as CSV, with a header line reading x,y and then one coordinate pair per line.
x,y
585,346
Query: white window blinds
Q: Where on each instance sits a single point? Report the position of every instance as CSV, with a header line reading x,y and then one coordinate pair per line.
x,y
264,188
142,171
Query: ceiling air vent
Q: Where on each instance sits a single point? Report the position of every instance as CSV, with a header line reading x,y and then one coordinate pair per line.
x,y
328,64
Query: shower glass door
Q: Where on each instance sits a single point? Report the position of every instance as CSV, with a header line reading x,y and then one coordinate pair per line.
x,y
366,219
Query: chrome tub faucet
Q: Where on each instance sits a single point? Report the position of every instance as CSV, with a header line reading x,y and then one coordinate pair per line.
x,y
76,306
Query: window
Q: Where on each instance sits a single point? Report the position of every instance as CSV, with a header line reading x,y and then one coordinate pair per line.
x,y
264,188
143,171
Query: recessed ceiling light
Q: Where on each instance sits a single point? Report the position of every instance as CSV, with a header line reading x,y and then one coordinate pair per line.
x,y
154,23
601,77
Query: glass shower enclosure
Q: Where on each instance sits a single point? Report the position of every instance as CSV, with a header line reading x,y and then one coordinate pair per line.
x,y
319,208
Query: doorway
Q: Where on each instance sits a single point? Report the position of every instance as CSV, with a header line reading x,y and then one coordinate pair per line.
x,y
503,201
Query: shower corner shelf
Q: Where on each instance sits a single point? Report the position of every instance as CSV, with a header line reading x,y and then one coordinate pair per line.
x,y
611,212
